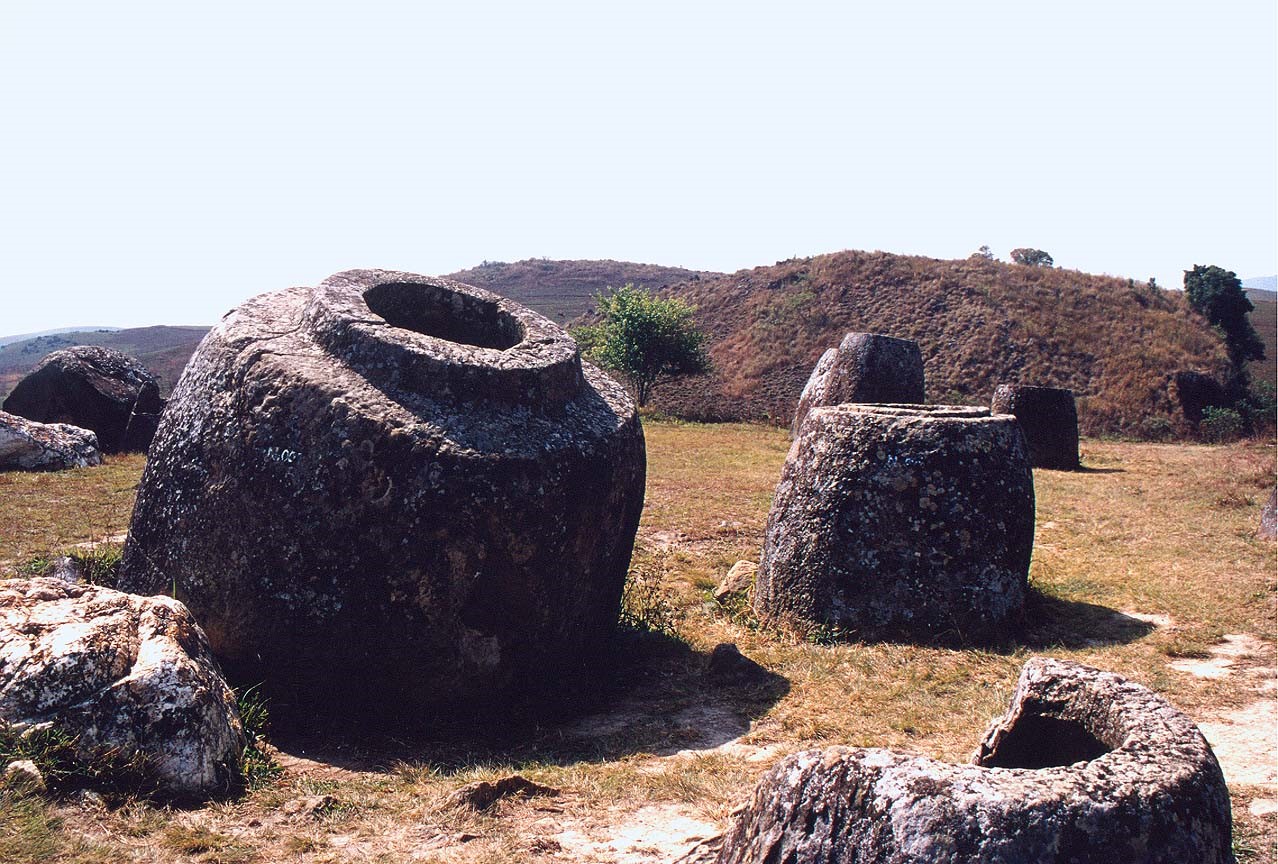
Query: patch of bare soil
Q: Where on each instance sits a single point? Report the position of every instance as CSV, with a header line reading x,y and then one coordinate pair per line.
x,y
1245,739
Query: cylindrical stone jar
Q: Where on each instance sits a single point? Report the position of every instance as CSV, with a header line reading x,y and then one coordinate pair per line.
x,y
1049,419
912,522
866,367
394,493
1084,766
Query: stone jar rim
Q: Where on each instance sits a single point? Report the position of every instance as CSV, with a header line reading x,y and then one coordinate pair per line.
x,y
925,412
442,339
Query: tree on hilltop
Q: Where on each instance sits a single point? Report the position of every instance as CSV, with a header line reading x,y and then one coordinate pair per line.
x,y
645,338
1217,294
1032,257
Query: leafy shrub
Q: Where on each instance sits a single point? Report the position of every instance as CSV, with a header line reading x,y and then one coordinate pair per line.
x,y
257,768
1221,425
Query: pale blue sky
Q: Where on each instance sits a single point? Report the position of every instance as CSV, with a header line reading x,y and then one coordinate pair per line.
x,y
160,162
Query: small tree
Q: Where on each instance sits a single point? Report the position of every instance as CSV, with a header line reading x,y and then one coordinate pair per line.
x,y
1032,257
645,338
1218,295
984,253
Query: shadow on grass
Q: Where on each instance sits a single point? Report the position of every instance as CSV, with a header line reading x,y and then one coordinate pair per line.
x,y
664,697
1084,469
1052,622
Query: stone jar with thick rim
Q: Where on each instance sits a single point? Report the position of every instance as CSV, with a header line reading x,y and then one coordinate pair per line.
x,y
394,493
890,521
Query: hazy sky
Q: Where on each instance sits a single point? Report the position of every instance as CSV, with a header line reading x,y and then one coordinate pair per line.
x,y
160,162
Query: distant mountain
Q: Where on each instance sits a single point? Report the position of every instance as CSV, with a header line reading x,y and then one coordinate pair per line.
x,y
162,349
22,337
1261,283
563,290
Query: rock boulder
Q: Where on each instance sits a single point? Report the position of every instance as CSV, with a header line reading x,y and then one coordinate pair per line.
x,y
866,367
119,672
1049,419
29,446
1085,766
87,386
900,522
442,500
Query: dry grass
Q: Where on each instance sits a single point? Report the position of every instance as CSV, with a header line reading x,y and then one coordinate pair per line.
x,y
1153,529
978,323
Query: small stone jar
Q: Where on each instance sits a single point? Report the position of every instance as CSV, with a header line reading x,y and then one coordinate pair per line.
x,y
890,521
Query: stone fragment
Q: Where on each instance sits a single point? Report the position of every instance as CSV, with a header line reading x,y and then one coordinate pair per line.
x,y
442,498
900,522
309,806
866,367
739,581
1049,419
87,386
483,794
117,672
26,445
1084,766
25,776
1268,529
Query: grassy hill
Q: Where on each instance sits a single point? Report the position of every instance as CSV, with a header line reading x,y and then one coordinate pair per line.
x,y
563,290
978,322
1115,344
162,349
1265,319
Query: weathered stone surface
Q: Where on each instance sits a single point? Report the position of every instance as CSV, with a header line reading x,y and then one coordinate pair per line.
x,y
482,794
1049,419
739,581
1084,767
394,493
900,522
117,671
1269,518
144,419
26,445
866,367
24,775
87,386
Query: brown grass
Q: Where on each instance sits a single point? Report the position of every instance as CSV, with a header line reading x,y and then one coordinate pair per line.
x,y
1156,529
979,323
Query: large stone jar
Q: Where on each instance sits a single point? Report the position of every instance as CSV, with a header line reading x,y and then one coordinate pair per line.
x,y
1083,767
866,367
394,492
1049,419
88,386
890,521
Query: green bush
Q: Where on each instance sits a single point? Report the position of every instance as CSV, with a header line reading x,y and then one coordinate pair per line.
x,y
1221,425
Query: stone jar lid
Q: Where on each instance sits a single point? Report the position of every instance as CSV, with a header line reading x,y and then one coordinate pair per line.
x,y
443,339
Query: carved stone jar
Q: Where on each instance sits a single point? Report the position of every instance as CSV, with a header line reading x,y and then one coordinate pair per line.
x,y
1049,419
892,521
866,367
1084,766
394,492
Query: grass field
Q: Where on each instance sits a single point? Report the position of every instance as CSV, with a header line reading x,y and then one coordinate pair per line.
x,y
1143,563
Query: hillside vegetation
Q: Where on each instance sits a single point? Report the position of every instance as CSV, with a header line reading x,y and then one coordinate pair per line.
x,y
563,290
1116,344
163,350
1265,319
